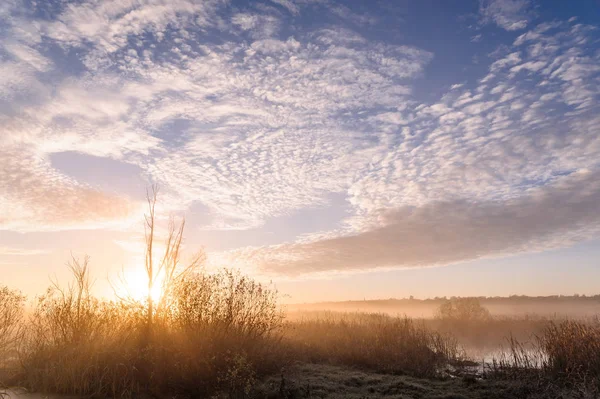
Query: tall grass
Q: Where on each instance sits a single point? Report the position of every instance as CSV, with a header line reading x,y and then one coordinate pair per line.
x,y
374,341
11,314
572,348
220,333
565,354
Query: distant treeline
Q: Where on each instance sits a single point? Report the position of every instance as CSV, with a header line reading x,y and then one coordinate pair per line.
x,y
482,299
514,305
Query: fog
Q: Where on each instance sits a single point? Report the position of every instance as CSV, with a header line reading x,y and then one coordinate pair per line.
x,y
547,307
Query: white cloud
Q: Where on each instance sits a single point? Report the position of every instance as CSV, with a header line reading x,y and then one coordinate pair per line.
x,y
289,5
260,26
258,125
507,14
34,197
108,24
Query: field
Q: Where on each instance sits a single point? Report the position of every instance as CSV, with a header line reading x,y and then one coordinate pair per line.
x,y
224,335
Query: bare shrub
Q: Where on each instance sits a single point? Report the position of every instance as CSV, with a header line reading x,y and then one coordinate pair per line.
x,y
226,329
227,301
169,266
77,344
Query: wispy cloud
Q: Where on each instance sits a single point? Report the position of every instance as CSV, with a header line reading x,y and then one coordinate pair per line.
x,y
507,14
447,232
6,251
34,197
255,116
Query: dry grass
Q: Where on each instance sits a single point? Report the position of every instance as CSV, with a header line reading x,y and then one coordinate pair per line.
x,y
572,348
223,334
565,354
11,313
372,341
75,344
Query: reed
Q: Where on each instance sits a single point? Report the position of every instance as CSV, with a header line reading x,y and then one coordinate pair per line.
x,y
378,342
78,345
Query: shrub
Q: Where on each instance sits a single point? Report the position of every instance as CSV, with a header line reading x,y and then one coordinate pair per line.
x,y
463,309
225,329
77,344
226,301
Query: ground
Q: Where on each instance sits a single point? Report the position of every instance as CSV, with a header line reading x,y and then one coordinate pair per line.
x,y
328,381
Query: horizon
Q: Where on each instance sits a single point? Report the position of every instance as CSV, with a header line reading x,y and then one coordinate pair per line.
x,y
337,150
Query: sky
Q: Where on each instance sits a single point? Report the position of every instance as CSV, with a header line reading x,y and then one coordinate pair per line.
x,y
338,149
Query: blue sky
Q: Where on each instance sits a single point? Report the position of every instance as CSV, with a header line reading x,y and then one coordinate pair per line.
x,y
364,149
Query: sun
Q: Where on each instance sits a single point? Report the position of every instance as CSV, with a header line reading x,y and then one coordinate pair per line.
x,y
135,285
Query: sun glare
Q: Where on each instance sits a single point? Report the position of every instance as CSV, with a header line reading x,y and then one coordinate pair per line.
x,y
135,285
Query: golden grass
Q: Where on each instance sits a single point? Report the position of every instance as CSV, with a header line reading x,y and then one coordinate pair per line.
x,y
224,333
374,341
565,354
219,334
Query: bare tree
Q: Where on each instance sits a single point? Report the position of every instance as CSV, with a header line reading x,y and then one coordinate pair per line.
x,y
169,267
151,196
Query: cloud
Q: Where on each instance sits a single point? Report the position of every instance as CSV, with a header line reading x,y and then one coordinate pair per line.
x,y
6,251
253,110
289,5
34,197
507,14
256,115
512,131
259,26
280,127
350,16
441,233
108,24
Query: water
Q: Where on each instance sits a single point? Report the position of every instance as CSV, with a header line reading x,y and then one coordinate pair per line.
x,y
23,394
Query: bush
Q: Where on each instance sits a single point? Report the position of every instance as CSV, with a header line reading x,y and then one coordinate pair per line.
x,y
463,309
226,301
205,333
224,332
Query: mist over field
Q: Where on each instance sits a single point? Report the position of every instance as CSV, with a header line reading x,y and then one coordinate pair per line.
x,y
518,306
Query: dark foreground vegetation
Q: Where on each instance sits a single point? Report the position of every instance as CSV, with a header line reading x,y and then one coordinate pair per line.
x,y
222,335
